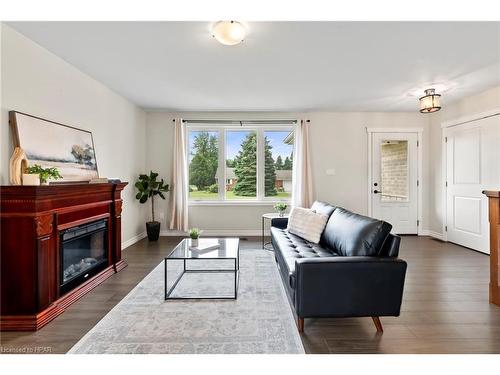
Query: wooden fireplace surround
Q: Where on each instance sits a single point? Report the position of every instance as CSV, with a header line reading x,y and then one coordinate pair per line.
x,y
31,218
494,218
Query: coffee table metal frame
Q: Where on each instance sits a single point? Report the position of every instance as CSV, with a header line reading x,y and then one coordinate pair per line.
x,y
235,271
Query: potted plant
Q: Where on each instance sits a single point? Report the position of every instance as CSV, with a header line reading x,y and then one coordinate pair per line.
x,y
281,208
149,187
36,175
194,234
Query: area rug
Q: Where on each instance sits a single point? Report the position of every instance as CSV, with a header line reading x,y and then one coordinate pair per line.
x,y
259,321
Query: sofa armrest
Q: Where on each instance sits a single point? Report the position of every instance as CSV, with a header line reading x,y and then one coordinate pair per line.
x,y
349,286
279,222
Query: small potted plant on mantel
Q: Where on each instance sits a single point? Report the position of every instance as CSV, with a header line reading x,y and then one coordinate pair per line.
x,y
37,175
281,208
149,187
194,234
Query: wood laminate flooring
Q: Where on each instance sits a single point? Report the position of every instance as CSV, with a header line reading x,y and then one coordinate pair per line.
x,y
445,307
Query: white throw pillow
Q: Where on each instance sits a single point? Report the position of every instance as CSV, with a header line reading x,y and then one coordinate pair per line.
x,y
307,224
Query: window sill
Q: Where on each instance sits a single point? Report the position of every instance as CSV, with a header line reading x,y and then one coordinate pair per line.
x,y
236,203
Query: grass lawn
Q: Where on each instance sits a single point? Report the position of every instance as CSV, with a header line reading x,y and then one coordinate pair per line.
x,y
203,195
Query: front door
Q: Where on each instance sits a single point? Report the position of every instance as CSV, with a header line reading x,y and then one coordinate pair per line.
x,y
394,180
472,165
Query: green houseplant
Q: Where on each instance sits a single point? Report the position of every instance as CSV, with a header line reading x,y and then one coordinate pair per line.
x,y
281,208
45,174
194,234
148,187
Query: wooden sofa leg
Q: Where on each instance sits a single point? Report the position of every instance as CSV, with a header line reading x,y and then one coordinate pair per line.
x,y
300,324
378,324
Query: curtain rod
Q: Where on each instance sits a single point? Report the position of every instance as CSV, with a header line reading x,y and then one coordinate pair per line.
x,y
242,122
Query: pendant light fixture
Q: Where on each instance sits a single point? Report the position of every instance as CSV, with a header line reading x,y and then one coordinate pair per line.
x,y
229,33
430,102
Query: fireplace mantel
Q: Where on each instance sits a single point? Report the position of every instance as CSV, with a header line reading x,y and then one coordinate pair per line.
x,y
31,219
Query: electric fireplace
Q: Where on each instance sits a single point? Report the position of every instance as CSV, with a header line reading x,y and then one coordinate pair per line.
x,y
58,243
84,252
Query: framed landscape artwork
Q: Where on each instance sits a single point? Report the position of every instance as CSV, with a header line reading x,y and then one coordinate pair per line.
x,y
51,144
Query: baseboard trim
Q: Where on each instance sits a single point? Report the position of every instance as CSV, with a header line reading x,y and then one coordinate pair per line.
x,y
436,235
216,232
133,240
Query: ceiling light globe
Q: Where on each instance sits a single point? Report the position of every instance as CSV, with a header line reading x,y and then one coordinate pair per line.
x,y
229,33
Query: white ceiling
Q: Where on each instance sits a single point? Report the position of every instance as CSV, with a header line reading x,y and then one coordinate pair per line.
x,y
281,66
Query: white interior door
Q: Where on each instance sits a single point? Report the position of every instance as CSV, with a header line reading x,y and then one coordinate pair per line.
x,y
394,180
472,165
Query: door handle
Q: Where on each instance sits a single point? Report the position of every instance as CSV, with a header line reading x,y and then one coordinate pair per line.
x,y
377,192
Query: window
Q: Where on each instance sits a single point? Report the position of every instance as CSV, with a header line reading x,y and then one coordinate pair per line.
x,y
241,164
238,164
278,163
203,164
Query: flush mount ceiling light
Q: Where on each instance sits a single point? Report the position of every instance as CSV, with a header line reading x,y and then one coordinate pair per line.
x,y
430,102
229,33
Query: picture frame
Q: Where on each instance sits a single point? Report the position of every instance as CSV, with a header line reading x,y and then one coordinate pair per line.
x,y
51,144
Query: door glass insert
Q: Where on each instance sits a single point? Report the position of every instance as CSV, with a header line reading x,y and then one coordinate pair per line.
x,y
394,171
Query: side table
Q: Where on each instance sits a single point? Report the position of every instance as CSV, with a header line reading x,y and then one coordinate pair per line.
x,y
269,216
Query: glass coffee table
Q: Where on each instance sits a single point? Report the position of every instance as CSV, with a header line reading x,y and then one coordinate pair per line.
x,y
227,251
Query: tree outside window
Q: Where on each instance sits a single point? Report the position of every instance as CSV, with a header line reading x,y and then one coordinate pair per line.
x,y
204,156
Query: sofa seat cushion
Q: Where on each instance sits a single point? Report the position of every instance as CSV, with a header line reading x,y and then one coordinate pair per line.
x,y
289,247
350,234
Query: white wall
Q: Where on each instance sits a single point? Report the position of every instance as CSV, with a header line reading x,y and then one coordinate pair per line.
x,y
37,82
476,104
338,140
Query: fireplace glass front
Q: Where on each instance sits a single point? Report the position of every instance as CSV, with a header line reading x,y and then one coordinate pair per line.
x,y
84,252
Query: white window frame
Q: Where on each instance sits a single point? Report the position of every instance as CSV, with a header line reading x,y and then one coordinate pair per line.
x,y
260,199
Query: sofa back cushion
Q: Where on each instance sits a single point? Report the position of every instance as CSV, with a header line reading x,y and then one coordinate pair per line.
x,y
350,234
306,223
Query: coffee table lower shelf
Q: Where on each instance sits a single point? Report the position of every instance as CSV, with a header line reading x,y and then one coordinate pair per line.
x,y
169,291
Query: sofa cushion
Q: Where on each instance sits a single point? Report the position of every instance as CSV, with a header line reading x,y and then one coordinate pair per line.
x,y
289,247
306,224
323,208
350,234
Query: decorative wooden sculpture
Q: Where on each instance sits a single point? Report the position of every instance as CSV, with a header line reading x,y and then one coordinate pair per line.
x,y
18,164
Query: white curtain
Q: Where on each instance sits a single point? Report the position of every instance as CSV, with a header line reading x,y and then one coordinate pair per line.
x,y
302,192
179,188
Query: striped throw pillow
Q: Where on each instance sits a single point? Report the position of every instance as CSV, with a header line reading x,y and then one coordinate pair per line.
x,y
307,224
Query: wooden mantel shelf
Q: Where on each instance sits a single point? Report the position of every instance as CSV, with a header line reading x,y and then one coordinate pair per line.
x,y
494,218
31,220
492,193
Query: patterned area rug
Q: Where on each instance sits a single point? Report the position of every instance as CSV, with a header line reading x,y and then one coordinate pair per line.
x,y
259,321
